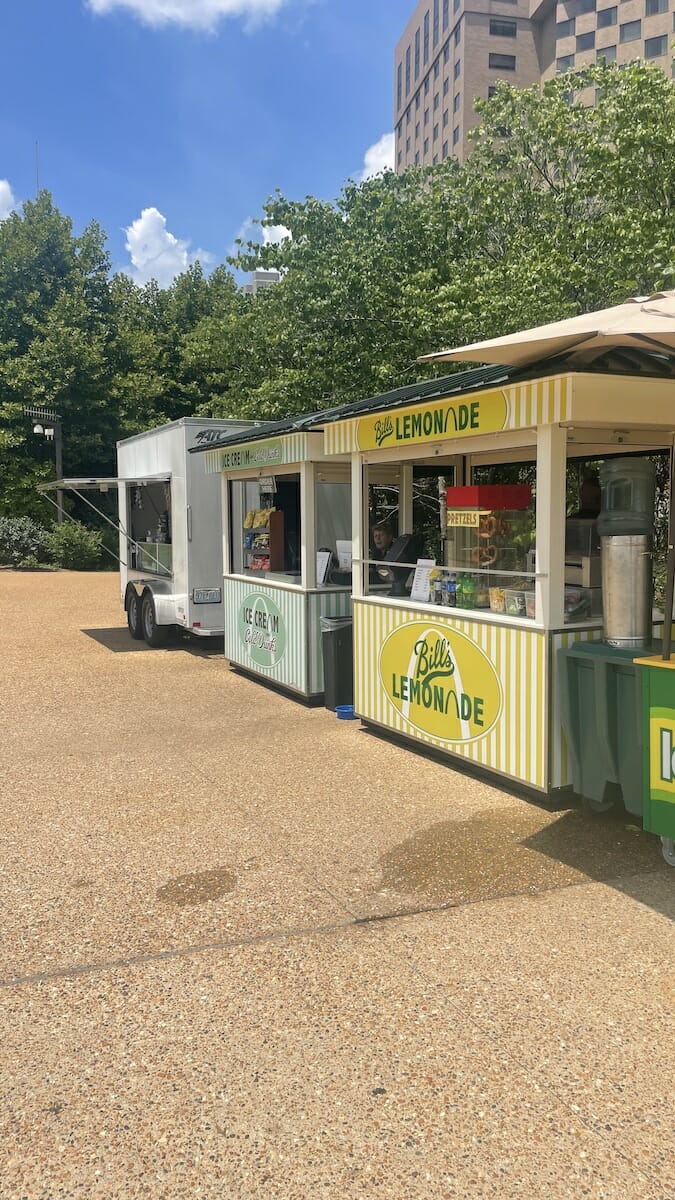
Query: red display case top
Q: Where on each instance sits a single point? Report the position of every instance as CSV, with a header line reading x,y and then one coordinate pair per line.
x,y
497,497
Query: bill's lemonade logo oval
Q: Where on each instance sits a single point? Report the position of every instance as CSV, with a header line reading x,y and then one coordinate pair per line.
x,y
440,681
262,630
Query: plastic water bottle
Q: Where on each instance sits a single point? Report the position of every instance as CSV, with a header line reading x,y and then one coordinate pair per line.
x,y
451,591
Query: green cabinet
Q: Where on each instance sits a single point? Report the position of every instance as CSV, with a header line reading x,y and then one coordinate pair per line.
x,y
601,715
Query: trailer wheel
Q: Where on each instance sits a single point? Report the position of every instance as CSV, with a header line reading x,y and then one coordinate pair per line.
x,y
668,850
154,634
134,615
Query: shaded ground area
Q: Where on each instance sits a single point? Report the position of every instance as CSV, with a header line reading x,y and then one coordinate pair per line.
x,y
248,950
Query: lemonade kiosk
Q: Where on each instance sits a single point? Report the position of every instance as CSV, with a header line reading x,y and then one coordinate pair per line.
x,y
286,549
462,657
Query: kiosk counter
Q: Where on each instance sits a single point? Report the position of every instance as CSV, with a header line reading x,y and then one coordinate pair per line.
x,y
286,551
471,473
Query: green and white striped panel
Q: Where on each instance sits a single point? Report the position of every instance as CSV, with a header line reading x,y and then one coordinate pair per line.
x,y
322,604
291,667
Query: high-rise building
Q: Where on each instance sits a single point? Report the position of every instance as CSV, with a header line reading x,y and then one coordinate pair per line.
x,y
261,280
453,51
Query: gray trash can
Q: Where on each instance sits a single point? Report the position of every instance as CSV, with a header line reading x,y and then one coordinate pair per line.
x,y
337,644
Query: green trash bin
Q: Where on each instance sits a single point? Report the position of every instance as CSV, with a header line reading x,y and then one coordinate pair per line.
x,y
658,715
601,713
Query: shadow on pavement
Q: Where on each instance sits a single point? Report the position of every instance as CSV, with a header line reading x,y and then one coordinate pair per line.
x,y
119,641
526,850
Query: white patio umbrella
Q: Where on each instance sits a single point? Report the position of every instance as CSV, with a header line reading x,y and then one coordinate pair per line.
x,y
646,322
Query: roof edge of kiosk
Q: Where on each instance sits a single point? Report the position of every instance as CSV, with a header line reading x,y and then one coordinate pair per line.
x,y
612,360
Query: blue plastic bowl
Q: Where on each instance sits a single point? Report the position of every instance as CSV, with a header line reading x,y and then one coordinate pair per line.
x,y
346,712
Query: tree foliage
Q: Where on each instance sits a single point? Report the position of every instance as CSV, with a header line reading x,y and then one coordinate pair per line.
x,y
565,204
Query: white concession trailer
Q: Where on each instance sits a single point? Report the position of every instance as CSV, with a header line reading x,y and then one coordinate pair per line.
x,y
170,528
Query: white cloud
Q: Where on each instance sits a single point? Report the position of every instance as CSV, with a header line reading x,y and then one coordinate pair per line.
x,y
7,201
155,252
273,234
378,158
194,14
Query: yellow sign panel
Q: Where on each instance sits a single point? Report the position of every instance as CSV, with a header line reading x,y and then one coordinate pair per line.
x,y
662,754
463,517
440,682
434,422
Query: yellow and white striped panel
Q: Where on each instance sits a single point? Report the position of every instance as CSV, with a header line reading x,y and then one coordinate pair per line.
x,y
539,402
517,744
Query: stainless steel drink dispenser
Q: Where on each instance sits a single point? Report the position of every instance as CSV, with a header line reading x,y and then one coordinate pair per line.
x,y
626,528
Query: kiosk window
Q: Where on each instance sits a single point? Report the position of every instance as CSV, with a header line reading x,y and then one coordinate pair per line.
x,y
265,523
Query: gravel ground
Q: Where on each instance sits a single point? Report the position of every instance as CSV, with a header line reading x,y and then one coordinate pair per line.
x,y
248,950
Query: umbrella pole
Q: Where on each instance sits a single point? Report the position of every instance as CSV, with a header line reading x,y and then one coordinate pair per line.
x,y
670,570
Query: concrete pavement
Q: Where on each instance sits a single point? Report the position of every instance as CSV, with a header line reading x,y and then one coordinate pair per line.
x,y
249,950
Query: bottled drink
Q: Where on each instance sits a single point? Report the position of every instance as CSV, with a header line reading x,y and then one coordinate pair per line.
x,y
451,591
469,592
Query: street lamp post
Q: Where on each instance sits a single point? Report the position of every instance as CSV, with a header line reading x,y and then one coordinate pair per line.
x,y
48,425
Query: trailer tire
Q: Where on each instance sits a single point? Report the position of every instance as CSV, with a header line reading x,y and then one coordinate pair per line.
x,y
154,634
133,607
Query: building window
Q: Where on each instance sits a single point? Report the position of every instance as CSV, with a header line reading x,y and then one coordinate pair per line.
x,y
655,47
586,41
407,145
446,14
400,157
407,115
437,68
491,90
399,86
426,116
631,31
426,86
399,129
457,69
437,21
608,53
446,118
407,71
417,158
444,150
565,28
456,102
417,101
417,131
417,55
426,38
458,34
606,16
455,135
426,146
446,53
565,62
435,133
656,6
446,86
435,159
584,6
502,62
503,28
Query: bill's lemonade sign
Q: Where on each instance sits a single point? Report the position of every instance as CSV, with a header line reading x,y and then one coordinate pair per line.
x,y
434,422
440,682
662,754
262,630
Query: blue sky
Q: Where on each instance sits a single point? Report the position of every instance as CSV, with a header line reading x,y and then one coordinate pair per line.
x,y
171,121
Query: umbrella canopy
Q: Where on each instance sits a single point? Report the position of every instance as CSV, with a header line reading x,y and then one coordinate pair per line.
x,y
646,322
